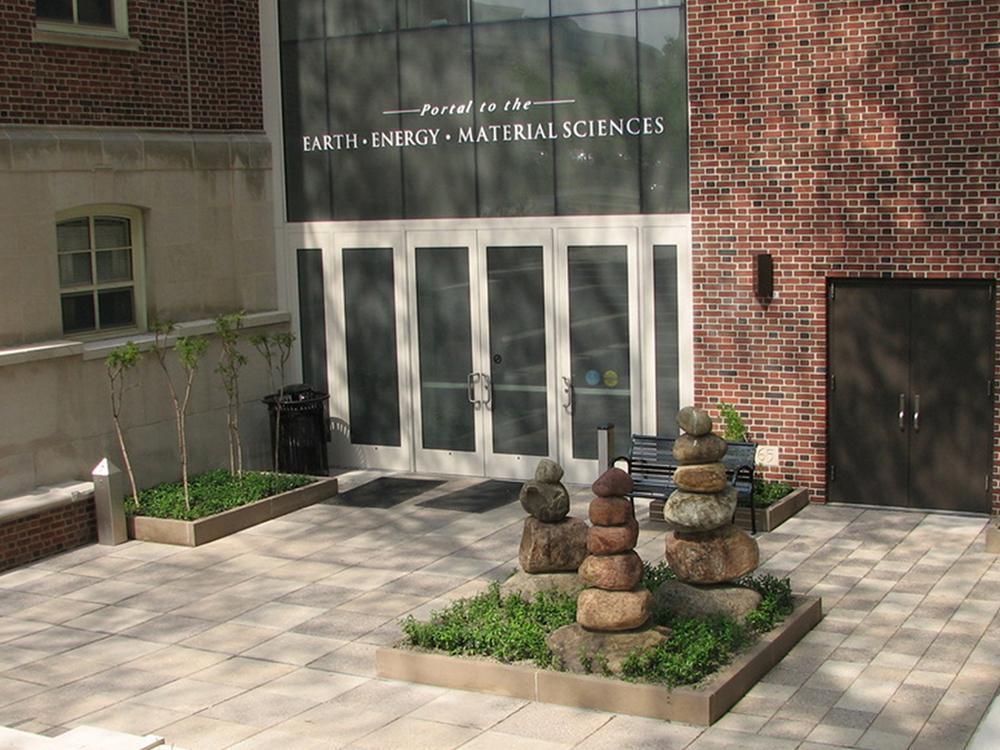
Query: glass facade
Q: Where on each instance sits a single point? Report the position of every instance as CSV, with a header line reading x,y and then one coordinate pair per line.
x,y
464,108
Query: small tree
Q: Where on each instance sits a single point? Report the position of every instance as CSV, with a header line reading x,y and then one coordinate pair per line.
x,y
735,429
119,362
276,349
189,350
231,359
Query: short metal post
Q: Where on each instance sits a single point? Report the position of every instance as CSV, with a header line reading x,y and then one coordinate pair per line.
x,y
605,446
109,502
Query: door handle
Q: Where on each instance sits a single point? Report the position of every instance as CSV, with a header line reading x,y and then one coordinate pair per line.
x,y
916,413
568,393
902,411
470,384
487,390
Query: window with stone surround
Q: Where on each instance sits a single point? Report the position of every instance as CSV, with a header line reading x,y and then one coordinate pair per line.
x,y
100,270
83,22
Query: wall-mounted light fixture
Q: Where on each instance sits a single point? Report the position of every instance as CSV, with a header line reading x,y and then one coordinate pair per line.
x,y
763,277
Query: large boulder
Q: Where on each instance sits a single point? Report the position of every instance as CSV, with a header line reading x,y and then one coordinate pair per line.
x,y
527,585
548,471
580,650
597,609
713,557
553,547
546,502
613,483
612,572
610,540
703,449
683,600
701,477
692,511
610,511
694,421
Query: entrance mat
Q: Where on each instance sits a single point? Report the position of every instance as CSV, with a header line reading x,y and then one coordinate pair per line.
x,y
477,498
385,492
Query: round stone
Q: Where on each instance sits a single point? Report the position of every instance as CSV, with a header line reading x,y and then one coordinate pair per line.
x,y
553,547
548,472
597,609
693,511
546,502
528,585
610,511
694,421
703,449
684,600
612,483
701,477
611,540
713,557
612,572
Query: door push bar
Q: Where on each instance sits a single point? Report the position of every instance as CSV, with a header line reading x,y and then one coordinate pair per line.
x,y
902,412
487,389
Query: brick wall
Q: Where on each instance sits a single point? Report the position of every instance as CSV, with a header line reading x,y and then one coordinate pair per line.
x,y
849,138
50,84
34,537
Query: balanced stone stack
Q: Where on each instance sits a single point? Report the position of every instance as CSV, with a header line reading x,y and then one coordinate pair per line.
x,y
705,547
615,599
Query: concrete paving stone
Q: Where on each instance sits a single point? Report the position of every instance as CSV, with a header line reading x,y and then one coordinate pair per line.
x,y
493,740
422,585
278,615
259,707
294,648
790,729
925,678
808,704
188,695
339,722
391,695
230,638
56,584
724,739
144,551
178,661
129,717
478,710
553,723
874,739
895,660
17,577
314,684
788,674
203,733
835,675
122,682
108,591
12,657
13,690
886,674
243,672
738,722
269,739
462,567
320,595
353,659
167,628
56,639
382,603
362,578
115,649
831,734
416,734
12,628
73,557
404,561
960,710
867,695
54,671
163,598
338,554
155,573
264,588
251,562
936,736
340,624
217,608
15,603
306,571
108,566
111,619
857,655
385,635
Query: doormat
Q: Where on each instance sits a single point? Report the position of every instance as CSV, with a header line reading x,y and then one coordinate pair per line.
x,y
477,498
385,492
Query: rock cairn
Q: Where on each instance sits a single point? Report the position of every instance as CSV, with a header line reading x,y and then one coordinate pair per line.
x,y
705,548
615,599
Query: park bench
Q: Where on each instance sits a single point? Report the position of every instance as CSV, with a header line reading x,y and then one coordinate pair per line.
x,y
651,464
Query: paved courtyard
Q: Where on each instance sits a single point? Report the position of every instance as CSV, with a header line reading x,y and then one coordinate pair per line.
x,y
266,639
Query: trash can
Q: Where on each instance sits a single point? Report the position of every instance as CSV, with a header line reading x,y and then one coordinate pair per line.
x,y
304,430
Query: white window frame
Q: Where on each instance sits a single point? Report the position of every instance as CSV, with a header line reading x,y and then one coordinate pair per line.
x,y
83,34
137,237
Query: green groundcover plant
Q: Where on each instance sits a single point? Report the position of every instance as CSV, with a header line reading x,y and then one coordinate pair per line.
x,y
213,492
767,493
509,628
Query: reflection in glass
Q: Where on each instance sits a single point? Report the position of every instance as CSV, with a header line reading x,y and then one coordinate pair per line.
x,y
569,7
517,350
665,322
508,10
435,66
444,332
97,12
114,265
599,344
78,312
418,13
116,307
73,235
370,322
512,67
367,181
663,93
359,16
60,10
594,64
300,19
74,268
111,232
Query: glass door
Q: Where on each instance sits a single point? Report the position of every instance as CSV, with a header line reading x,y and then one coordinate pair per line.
x,y
598,367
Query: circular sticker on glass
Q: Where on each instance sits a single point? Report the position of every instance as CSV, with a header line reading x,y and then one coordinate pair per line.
x,y
593,377
611,378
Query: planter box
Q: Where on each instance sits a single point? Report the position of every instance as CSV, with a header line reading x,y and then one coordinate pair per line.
x,y
210,528
702,705
768,519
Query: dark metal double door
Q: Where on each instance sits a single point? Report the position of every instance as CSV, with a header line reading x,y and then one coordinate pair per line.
x,y
910,394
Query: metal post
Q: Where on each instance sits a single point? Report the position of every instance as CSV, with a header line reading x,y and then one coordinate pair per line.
x,y
109,502
605,446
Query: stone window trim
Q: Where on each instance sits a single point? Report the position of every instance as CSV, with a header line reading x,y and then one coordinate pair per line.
x,y
137,283
74,33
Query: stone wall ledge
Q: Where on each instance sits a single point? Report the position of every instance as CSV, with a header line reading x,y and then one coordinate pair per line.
x,y
42,499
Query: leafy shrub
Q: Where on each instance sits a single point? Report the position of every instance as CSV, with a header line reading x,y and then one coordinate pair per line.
x,y
766,493
735,429
213,492
776,602
506,628
653,576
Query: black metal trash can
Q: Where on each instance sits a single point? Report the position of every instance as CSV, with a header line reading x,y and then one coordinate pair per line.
x,y
304,429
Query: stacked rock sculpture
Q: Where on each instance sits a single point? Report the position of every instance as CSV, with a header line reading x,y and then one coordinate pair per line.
x,y
552,541
705,547
615,600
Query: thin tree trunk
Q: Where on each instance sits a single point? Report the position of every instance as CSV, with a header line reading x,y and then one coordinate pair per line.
x,y
116,418
236,430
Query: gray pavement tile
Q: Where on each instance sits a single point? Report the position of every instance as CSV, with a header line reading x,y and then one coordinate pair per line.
x,y
353,659
478,710
115,649
111,619
278,615
340,624
240,671
318,685
230,638
493,740
294,648
167,628
129,717
188,695
203,733
320,595
13,690
56,670
56,639
12,628
178,661
109,591
217,608
259,707
553,723
416,734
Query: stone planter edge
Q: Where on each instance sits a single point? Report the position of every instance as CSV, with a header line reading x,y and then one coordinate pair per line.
x,y
771,517
210,528
702,705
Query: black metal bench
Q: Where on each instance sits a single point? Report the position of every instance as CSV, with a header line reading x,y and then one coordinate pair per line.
x,y
651,464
